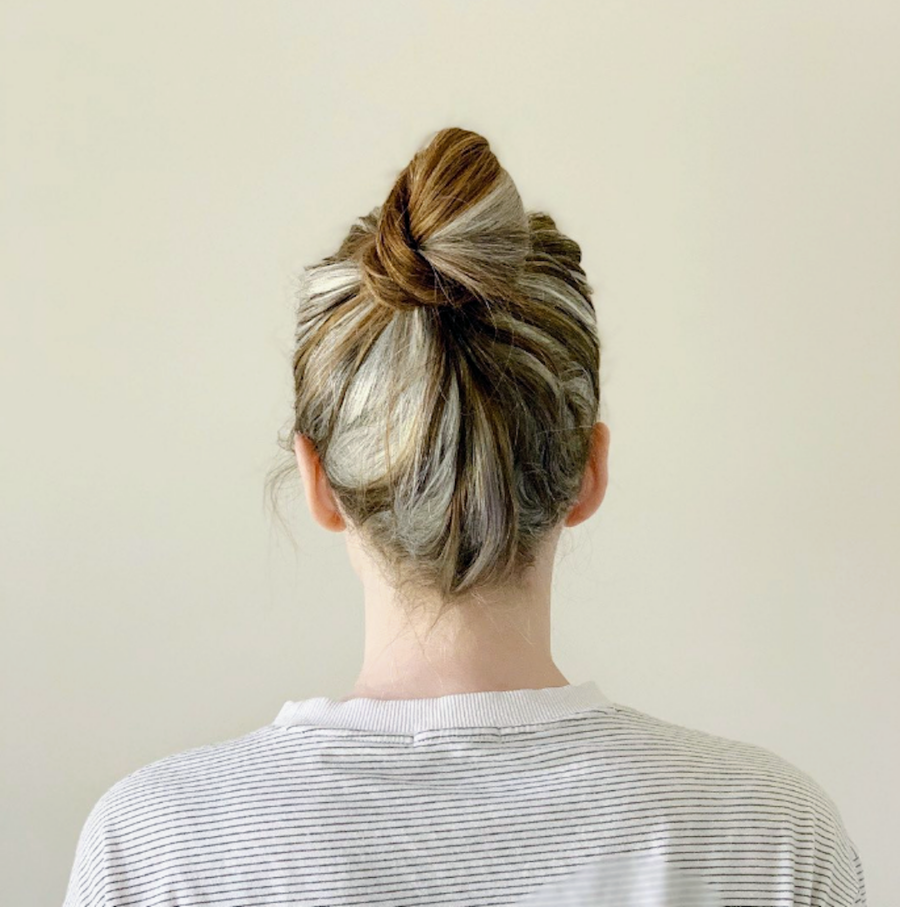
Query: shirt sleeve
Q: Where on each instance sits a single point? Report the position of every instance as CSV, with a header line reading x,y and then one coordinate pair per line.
x,y
860,879
87,879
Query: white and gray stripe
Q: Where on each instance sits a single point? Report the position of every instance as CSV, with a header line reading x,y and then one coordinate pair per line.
x,y
521,797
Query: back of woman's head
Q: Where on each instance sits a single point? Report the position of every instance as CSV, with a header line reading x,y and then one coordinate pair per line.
x,y
446,371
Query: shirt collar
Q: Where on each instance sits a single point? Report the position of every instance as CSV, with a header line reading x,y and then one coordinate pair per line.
x,y
494,709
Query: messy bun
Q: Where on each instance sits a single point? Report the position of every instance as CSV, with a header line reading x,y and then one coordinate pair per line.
x,y
452,229
446,370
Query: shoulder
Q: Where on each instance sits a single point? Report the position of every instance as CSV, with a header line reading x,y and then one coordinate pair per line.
x,y
191,776
200,767
151,809
754,787
728,759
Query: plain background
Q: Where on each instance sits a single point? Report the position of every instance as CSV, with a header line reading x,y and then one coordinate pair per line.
x,y
732,173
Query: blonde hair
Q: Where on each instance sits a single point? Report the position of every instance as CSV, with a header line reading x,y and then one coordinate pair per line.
x,y
446,371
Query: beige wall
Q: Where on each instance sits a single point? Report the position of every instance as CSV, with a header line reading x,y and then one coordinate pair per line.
x,y
732,172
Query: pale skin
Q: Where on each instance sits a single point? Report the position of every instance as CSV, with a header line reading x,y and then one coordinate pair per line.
x,y
501,642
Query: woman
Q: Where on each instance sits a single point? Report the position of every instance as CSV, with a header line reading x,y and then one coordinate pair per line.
x,y
446,392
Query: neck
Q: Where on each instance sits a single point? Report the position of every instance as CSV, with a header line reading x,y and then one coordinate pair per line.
x,y
425,682
485,645
492,640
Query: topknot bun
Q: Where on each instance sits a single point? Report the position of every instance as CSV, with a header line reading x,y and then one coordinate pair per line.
x,y
452,229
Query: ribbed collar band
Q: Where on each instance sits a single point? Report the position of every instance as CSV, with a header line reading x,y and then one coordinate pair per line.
x,y
494,709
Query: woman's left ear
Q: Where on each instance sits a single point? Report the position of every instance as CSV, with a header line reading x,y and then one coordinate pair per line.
x,y
319,496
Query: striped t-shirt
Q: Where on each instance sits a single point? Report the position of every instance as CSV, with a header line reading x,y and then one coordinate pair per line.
x,y
520,797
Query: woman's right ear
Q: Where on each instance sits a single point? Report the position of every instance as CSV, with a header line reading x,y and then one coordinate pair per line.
x,y
596,477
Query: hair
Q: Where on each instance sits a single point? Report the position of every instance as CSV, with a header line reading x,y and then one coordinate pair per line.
x,y
446,371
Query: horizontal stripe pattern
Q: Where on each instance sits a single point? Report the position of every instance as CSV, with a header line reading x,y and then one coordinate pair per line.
x,y
525,797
